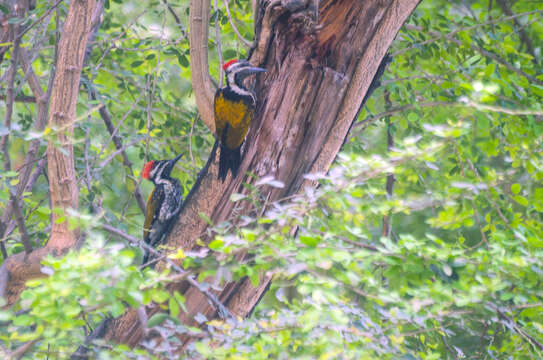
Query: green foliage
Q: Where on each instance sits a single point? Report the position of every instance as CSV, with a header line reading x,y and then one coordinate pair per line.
x,y
458,274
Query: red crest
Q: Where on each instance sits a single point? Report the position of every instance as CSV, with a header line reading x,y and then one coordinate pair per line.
x,y
147,169
226,65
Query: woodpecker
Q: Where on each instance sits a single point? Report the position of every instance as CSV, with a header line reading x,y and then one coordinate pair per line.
x,y
234,108
163,204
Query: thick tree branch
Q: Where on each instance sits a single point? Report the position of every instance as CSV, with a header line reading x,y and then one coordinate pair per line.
x,y
63,187
204,91
315,82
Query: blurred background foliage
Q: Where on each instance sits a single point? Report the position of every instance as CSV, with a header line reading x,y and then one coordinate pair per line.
x,y
455,273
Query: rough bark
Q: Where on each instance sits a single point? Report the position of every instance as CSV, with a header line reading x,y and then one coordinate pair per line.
x,y
317,77
199,31
63,188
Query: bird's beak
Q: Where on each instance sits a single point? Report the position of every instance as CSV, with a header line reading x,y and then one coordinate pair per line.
x,y
249,70
172,162
254,69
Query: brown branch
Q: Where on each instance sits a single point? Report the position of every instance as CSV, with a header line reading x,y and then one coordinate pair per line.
x,y
204,91
32,151
25,239
387,226
219,44
28,188
120,151
21,98
20,36
533,341
106,117
308,99
176,18
10,96
223,311
62,182
23,349
243,40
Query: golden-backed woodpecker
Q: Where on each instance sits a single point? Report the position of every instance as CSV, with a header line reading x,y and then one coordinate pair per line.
x,y
163,204
234,109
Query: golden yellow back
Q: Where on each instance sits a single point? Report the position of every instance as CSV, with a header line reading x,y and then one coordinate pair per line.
x,y
238,114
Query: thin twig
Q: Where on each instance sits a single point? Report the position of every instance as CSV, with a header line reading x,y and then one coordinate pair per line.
x,y
219,45
177,19
117,152
88,176
517,327
245,41
10,96
387,226
39,19
221,309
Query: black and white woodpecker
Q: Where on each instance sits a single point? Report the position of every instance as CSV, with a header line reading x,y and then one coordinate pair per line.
x,y
163,204
234,109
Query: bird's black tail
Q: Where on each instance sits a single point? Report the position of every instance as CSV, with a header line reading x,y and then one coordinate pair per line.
x,y
157,238
229,159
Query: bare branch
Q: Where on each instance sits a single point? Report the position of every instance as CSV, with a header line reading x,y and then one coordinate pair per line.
x,y
387,219
204,91
5,142
62,182
219,44
40,19
119,151
223,311
176,18
21,98
23,349
243,40
106,117
20,223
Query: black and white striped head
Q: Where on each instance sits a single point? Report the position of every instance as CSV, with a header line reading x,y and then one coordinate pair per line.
x,y
235,72
155,170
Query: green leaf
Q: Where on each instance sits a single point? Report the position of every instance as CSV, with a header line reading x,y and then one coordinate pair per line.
x,y
216,244
173,306
156,319
309,240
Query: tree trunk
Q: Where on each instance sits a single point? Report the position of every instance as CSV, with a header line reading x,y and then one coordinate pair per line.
x,y
317,77
19,268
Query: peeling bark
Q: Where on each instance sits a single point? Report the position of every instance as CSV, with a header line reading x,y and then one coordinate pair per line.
x,y
317,77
